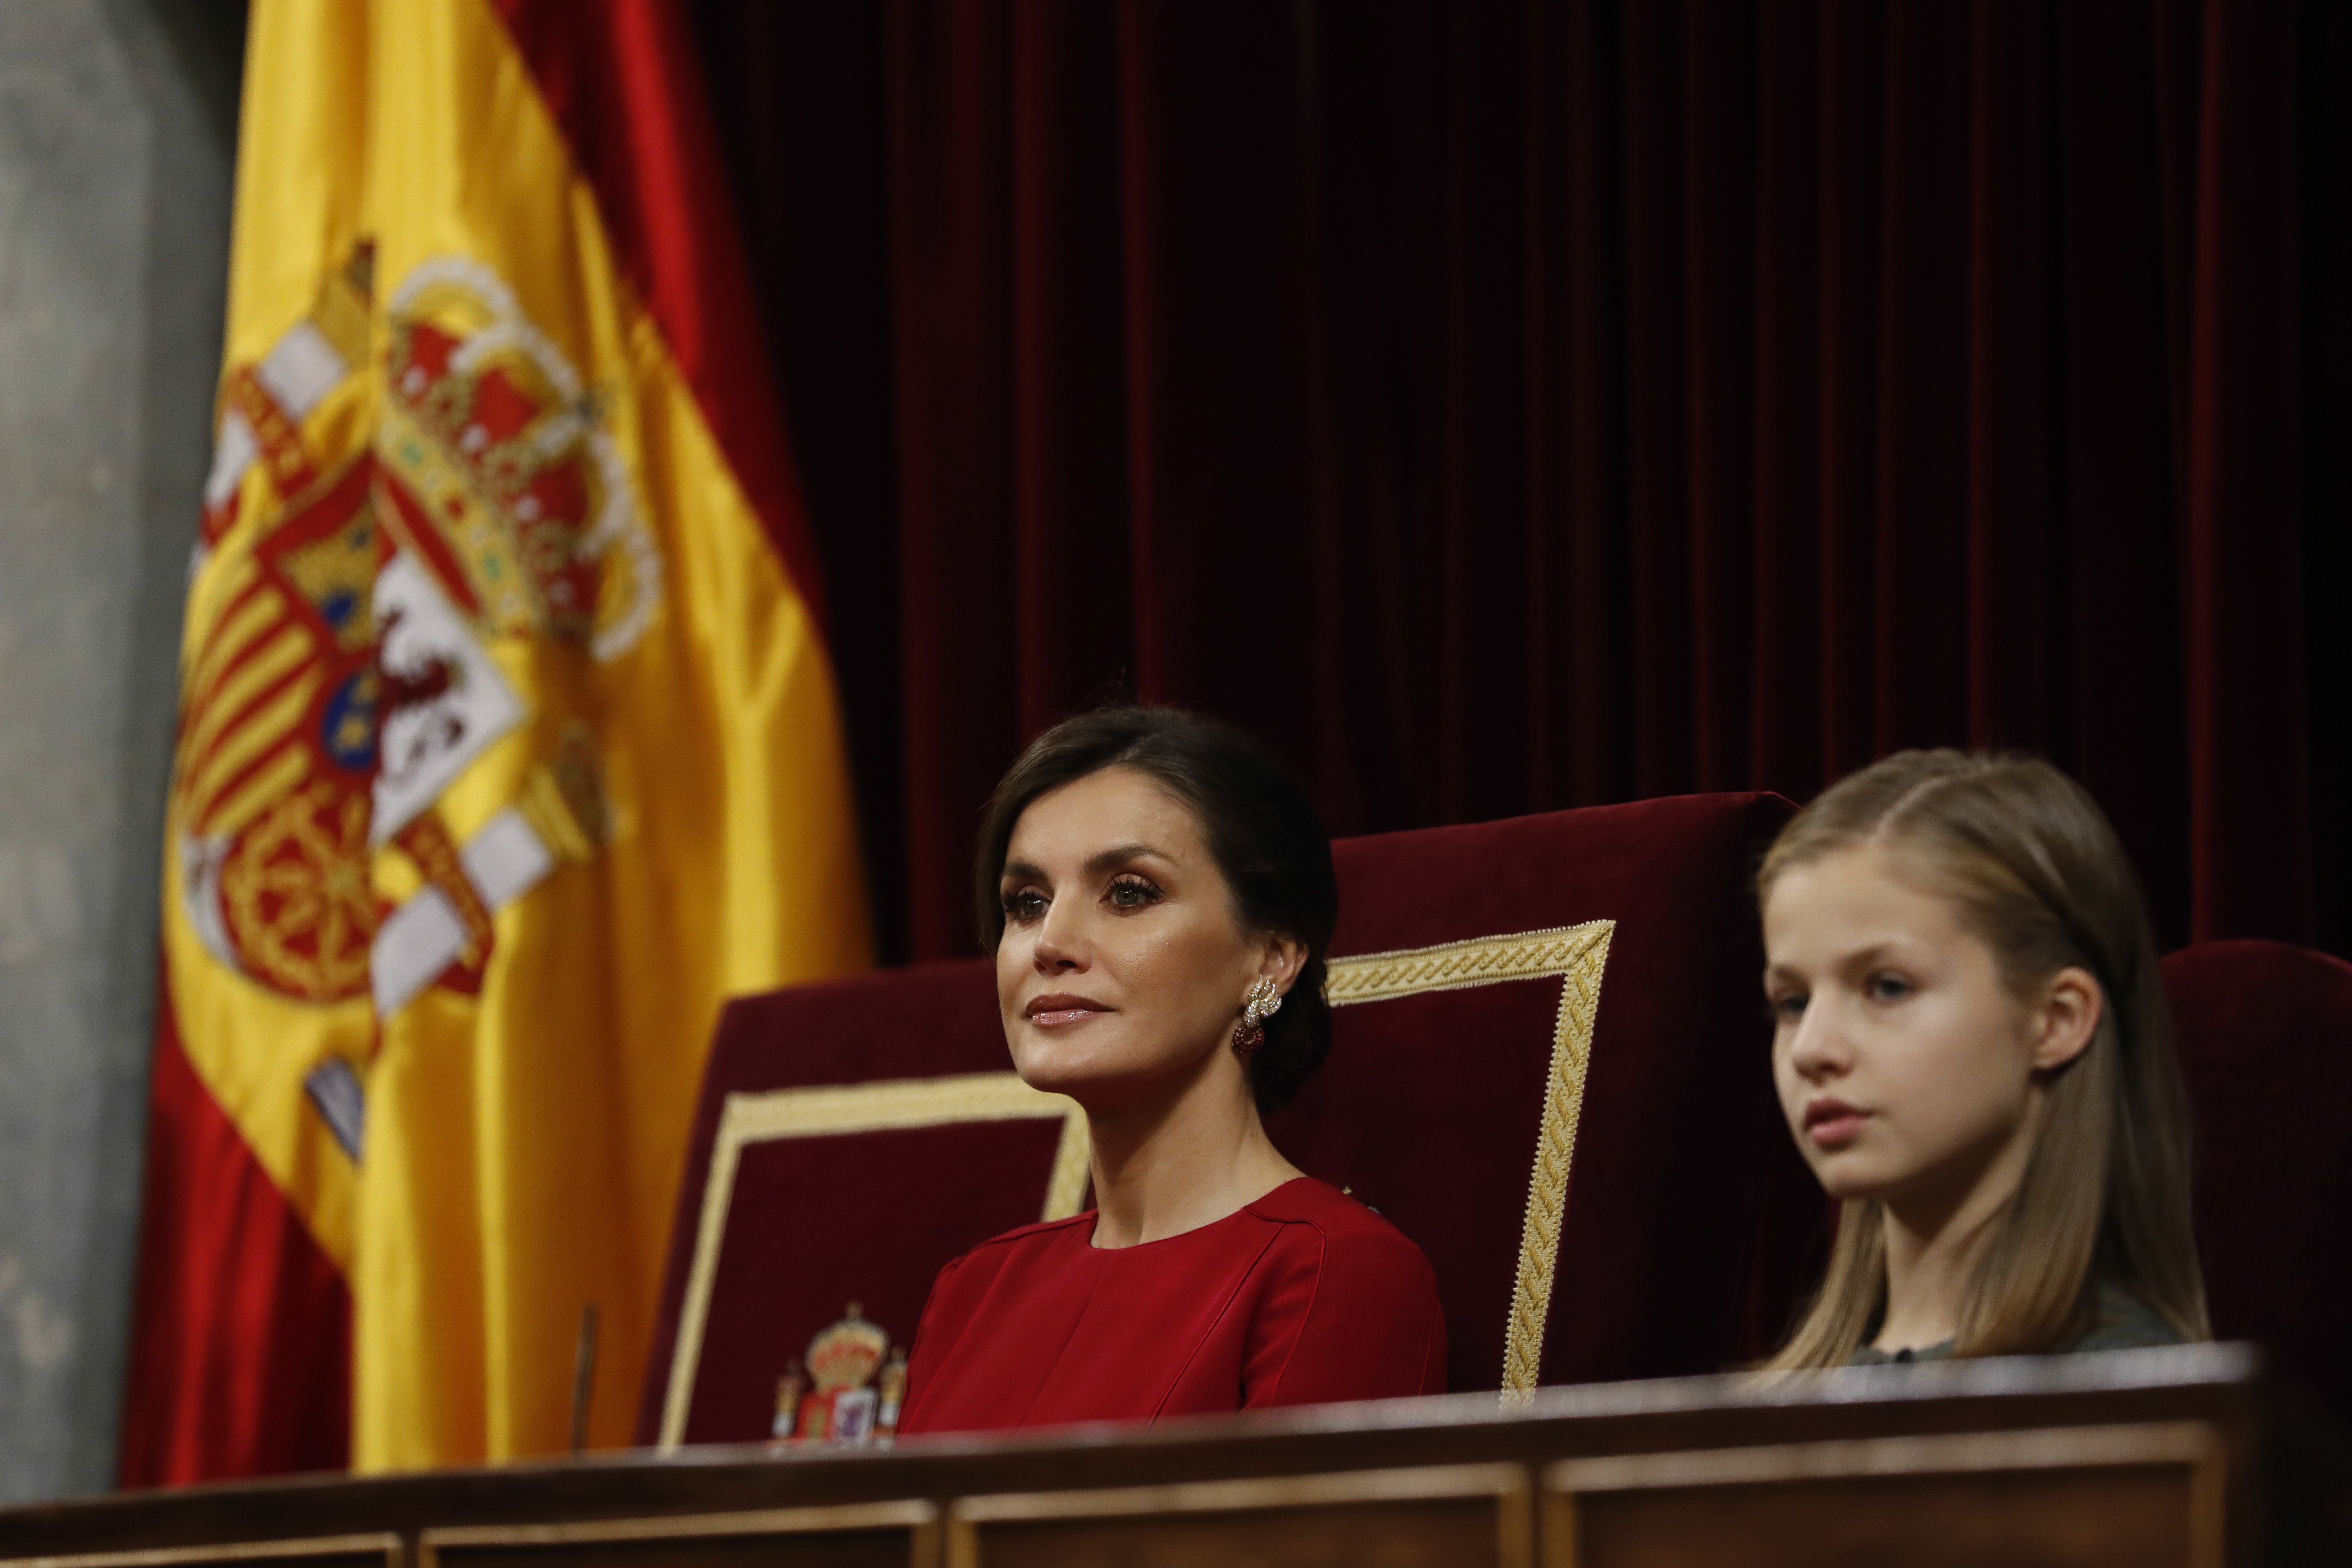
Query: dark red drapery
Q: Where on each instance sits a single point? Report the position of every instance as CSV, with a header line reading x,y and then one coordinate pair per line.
x,y
1503,407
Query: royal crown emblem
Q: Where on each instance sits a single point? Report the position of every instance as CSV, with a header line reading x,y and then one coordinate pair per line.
x,y
848,1393
505,478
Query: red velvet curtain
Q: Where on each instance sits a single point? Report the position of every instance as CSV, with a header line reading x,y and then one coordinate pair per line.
x,y
1504,407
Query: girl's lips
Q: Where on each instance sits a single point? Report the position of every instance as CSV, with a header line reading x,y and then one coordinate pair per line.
x,y
1834,1132
1832,1123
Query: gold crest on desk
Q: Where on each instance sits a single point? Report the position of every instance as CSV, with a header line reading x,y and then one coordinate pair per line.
x,y
836,1399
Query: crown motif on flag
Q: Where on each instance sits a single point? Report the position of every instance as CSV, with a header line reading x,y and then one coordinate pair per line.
x,y
502,469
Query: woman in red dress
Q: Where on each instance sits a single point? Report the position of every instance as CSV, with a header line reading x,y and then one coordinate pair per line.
x,y
1159,896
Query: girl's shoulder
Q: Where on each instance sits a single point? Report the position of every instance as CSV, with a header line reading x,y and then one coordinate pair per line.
x,y
2127,1323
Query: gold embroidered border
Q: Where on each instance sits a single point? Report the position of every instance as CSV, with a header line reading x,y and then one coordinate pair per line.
x,y
1577,955
832,1110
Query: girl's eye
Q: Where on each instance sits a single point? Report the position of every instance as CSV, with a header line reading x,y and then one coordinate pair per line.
x,y
1886,987
1132,893
1787,1009
1025,905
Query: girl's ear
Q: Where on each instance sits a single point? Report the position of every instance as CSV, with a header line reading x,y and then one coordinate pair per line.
x,y
2068,1015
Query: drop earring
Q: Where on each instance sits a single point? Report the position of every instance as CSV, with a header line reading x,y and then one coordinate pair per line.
x,y
1263,1003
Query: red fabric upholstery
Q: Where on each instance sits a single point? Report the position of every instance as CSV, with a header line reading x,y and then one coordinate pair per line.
x,y
1429,1108
818,1222
1430,1104
2265,1037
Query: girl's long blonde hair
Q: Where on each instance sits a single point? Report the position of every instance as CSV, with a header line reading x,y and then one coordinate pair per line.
x,y
2036,871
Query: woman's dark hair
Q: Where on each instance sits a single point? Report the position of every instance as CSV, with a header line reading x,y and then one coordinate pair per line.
x,y
1260,829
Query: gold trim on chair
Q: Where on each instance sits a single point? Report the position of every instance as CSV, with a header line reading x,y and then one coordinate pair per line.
x,y
831,1110
1577,955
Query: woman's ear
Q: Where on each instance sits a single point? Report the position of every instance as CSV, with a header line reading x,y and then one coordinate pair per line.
x,y
1285,957
2068,1017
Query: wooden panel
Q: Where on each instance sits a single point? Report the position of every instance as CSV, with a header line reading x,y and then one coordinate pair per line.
x,y
870,1535
1476,1516
2130,1497
371,1550
2286,1482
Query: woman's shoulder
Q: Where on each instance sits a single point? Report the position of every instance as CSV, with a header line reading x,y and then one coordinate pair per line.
x,y
1340,1222
1082,1222
1304,1200
1349,1306
985,1260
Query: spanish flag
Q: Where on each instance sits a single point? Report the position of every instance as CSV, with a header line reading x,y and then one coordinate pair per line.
x,y
508,744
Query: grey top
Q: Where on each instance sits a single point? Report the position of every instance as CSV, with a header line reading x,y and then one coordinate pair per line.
x,y
2125,1323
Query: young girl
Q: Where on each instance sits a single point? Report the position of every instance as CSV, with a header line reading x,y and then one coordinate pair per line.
x,y
1973,1052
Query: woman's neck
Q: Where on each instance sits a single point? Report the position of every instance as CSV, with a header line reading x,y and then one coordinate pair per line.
x,y
1166,1165
1936,1234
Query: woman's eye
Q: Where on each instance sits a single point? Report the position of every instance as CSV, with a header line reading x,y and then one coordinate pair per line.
x,y
1025,905
1132,893
1787,1009
1887,988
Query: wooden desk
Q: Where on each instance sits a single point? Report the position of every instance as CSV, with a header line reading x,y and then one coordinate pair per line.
x,y
2186,1457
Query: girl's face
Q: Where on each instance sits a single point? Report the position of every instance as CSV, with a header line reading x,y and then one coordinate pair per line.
x,y
1122,966
1906,1069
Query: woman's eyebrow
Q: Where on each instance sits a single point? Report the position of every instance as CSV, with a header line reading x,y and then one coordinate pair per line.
x,y
1020,871
1121,854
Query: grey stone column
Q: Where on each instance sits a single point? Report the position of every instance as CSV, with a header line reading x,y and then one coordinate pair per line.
x,y
117,127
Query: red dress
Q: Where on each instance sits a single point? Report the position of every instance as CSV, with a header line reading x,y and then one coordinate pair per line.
x,y
1305,1297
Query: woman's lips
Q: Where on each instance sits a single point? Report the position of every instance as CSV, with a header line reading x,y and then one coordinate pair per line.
x,y
1832,1124
1060,1011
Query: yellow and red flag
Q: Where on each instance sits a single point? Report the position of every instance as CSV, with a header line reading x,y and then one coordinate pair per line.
x,y
508,742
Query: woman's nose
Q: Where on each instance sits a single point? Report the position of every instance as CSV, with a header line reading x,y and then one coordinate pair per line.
x,y
1061,945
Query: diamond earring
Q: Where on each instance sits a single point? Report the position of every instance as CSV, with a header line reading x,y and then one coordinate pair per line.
x,y
1263,1002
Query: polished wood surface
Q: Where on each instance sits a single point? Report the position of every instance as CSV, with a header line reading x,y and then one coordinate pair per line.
x,y
855,1535
2188,1455
381,1549
2149,1493
1475,1515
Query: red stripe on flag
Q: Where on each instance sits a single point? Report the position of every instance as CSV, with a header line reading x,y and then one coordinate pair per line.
x,y
226,790
240,1348
197,700
622,79
236,721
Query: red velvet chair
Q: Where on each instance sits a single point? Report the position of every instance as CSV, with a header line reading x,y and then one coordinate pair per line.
x,y
2265,1040
1550,1069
